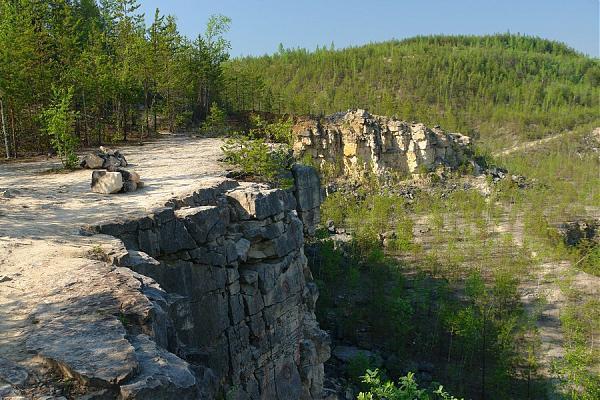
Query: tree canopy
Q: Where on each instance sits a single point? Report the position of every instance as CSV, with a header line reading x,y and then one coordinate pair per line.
x,y
488,86
126,76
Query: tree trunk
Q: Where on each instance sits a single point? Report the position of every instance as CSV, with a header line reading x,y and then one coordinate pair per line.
x,y
99,130
85,124
145,123
12,130
154,112
124,123
170,113
4,130
483,360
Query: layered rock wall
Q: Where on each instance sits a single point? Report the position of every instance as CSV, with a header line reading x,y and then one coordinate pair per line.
x,y
237,295
356,140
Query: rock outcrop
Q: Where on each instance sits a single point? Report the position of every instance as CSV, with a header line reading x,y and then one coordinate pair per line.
x,y
230,300
356,140
307,190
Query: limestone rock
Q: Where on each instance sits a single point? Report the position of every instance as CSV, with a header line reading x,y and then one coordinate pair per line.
x,y
162,375
256,203
93,351
576,232
228,291
307,191
92,161
106,182
12,373
104,158
348,353
357,140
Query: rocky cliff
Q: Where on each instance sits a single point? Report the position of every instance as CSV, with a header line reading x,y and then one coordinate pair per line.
x,y
235,295
356,140
207,296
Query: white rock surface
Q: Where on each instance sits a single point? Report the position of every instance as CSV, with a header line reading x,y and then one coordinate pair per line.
x,y
106,182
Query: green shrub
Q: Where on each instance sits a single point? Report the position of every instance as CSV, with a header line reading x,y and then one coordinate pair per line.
x,y
279,131
357,367
407,389
59,120
335,208
257,159
215,121
591,260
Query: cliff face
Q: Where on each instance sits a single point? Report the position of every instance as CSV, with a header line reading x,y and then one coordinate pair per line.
x,y
357,140
235,307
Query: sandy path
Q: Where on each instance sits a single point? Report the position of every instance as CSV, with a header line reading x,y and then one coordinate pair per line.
x,y
51,205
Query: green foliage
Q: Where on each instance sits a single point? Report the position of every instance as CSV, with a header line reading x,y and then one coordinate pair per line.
x,y
407,389
496,87
580,322
216,122
279,131
590,260
257,159
357,367
126,76
59,120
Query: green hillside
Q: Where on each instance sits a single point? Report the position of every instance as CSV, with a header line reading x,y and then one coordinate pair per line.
x,y
492,86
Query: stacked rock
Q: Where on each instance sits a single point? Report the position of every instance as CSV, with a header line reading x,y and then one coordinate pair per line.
x,y
109,176
104,158
231,256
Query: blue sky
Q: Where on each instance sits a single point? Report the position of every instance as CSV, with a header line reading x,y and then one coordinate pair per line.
x,y
259,26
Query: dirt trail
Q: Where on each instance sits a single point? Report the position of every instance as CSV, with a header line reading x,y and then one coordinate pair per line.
x,y
55,205
528,145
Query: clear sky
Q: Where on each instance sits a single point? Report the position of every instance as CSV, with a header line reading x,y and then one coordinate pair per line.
x,y
258,26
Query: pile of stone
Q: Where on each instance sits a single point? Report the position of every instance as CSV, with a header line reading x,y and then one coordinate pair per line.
x,y
119,181
109,176
104,158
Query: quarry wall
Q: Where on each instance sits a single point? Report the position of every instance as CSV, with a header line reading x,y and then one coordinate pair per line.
x,y
356,140
232,296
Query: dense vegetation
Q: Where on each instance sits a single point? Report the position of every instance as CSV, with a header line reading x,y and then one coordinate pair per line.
x,y
492,86
453,296
121,75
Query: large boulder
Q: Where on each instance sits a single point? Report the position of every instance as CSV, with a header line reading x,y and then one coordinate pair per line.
x,y
121,180
131,180
105,182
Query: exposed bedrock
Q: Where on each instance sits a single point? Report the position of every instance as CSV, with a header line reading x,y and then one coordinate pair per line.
x,y
229,297
356,140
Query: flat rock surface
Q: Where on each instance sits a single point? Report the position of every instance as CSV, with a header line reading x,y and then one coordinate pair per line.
x,y
53,297
50,205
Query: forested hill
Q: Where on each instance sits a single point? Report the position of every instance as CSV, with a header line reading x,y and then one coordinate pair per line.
x,y
489,85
